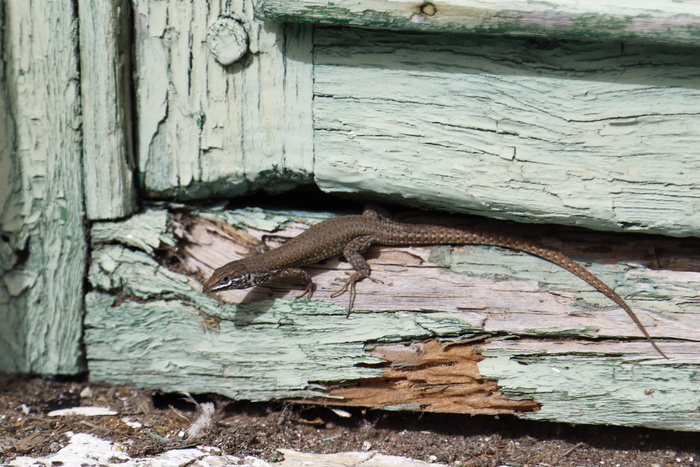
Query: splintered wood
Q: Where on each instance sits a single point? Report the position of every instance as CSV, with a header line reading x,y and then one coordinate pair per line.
x,y
456,330
429,377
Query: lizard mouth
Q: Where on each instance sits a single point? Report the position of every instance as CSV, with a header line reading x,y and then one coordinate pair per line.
x,y
209,287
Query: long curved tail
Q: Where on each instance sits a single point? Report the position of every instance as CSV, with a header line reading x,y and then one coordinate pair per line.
x,y
431,234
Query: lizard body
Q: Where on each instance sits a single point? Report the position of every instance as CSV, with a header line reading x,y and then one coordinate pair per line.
x,y
352,235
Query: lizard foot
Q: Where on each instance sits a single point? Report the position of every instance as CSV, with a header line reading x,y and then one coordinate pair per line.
x,y
349,283
308,291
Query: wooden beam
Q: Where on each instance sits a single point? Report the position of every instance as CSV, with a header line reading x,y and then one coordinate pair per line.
x,y
663,21
438,346
597,135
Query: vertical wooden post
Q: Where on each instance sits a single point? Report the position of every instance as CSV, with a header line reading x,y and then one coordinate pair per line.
x,y
106,93
42,233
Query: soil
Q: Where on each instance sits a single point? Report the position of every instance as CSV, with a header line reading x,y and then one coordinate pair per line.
x,y
259,429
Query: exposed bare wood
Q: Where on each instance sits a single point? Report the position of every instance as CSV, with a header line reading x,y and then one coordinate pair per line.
x,y
495,289
430,338
428,376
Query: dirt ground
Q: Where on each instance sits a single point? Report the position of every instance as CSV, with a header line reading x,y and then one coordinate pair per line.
x,y
259,429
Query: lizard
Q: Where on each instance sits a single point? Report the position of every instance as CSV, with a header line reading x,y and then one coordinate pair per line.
x,y
352,235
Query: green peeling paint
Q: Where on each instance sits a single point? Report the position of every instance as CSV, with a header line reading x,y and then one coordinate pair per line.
x,y
586,22
587,389
148,325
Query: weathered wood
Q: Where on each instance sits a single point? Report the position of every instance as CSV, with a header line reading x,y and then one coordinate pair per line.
x,y
42,241
576,386
536,131
598,135
106,96
568,382
431,377
209,128
152,326
664,21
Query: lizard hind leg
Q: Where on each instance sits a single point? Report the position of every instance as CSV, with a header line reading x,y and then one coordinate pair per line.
x,y
353,254
372,211
349,283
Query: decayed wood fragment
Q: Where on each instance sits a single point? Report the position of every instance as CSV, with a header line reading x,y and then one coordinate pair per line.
x,y
430,377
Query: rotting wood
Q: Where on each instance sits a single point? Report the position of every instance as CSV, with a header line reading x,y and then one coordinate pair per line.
x,y
427,376
151,326
525,288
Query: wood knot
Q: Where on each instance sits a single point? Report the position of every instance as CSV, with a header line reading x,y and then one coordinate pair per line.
x,y
428,9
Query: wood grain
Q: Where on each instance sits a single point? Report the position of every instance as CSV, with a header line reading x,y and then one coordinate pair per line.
x,y
42,241
106,95
597,135
414,343
665,21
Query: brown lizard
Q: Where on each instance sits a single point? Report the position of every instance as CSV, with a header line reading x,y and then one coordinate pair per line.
x,y
352,235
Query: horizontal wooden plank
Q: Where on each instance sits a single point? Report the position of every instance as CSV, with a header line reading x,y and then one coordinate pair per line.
x,y
598,135
662,21
152,326
577,387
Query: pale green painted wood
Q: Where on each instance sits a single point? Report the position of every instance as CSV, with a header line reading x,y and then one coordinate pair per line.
x,y
146,325
42,241
207,129
599,135
145,231
586,389
262,352
106,96
602,135
664,21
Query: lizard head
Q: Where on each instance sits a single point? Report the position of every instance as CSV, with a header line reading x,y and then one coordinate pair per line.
x,y
234,275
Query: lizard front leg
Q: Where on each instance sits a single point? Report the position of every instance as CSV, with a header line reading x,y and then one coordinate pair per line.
x,y
299,276
353,254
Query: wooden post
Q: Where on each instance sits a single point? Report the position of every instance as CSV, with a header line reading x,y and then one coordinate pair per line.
x,y
107,106
42,241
